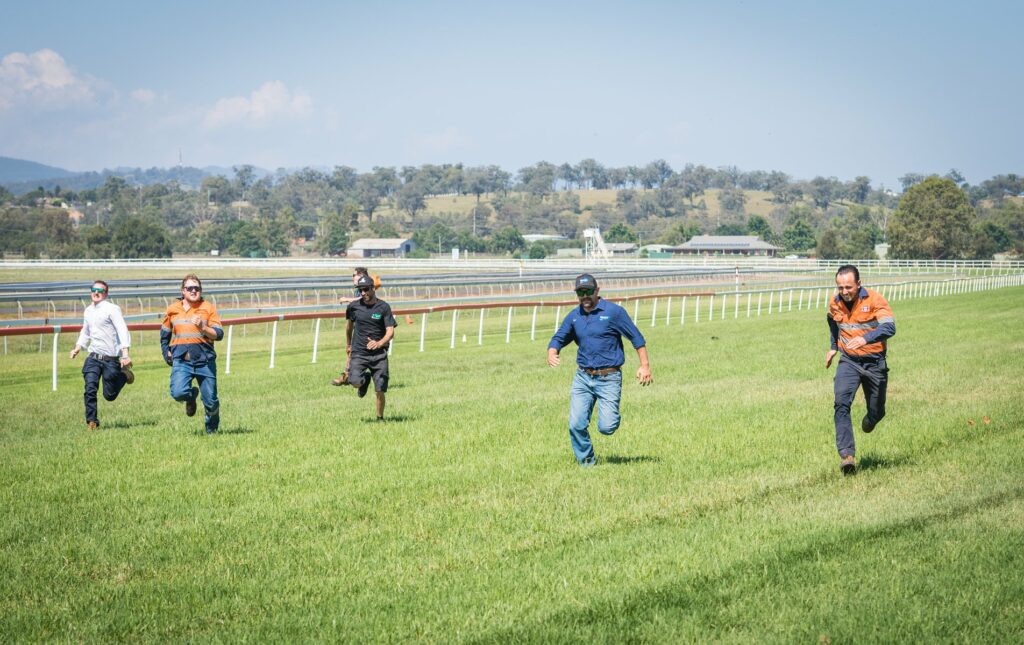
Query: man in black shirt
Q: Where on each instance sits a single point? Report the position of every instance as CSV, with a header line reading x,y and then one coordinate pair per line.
x,y
373,325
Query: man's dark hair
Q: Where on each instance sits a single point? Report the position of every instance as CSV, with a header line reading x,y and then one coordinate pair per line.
x,y
849,268
104,283
361,271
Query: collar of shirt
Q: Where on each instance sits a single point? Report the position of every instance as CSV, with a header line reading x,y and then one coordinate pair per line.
x,y
598,306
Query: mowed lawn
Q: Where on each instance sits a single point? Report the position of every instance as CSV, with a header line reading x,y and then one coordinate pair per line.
x,y
717,512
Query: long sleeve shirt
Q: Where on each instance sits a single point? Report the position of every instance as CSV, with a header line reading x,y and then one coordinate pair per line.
x,y
104,331
599,335
869,316
180,337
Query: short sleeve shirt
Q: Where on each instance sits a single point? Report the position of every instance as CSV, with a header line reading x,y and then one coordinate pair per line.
x,y
371,323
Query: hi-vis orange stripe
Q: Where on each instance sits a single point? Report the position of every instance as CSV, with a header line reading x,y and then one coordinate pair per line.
x,y
178,322
866,314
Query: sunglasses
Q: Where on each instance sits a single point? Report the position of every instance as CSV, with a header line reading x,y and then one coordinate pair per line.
x,y
584,292
98,290
363,289
194,289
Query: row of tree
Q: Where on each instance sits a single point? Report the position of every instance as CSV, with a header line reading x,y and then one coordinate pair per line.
x,y
251,216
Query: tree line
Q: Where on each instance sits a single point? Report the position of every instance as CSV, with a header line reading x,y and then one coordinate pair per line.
x,y
323,211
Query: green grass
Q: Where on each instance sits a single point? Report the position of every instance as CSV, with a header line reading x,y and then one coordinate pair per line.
x,y
717,512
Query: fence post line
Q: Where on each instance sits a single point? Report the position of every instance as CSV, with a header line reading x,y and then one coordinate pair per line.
x,y
227,364
423,329
455,316
316,338
696,310
508,327
480,330
56,336
654,312
533,324
273,344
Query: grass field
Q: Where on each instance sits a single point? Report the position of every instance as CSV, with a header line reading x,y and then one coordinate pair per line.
x,y
717,512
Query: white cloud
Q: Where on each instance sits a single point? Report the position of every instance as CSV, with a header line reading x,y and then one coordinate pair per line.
x,y
143,96
42,80
271,101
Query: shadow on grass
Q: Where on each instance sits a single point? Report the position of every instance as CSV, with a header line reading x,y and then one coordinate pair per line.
x,y
870,463
391,418
235,430
124,425
634,459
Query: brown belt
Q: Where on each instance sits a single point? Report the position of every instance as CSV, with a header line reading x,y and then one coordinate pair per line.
x,y
605,371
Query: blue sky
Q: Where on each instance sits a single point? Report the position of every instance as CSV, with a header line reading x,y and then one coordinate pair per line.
x,y
809,88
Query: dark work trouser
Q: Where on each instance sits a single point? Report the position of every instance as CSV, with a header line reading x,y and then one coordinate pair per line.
x,y
113,381
873,376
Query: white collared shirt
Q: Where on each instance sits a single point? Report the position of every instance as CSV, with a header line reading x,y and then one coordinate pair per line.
x,y
104,330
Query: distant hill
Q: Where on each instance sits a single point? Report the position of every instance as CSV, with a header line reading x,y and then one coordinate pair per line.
x,y
185,176
14,170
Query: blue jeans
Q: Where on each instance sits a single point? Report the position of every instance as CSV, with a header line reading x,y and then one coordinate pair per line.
x,y
586,389
873,377
182,373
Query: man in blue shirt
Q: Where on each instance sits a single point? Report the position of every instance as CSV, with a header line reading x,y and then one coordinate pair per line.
x,y
597,326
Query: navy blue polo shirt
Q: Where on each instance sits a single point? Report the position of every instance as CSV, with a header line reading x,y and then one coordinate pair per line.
x,y
598,334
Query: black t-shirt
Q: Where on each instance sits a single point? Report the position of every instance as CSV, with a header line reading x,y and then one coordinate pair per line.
x,y
371,323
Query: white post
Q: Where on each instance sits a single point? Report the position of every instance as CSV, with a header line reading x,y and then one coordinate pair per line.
x,y
56,335
696,310
817,299
480,331
316,338
759,294
711,308
508,327
558,316
636,310
682,312
533,324
654,312
725,297
771,301
736,312
227,362
455,316
800,302
668,311
273,344
749,296
790,301
423,329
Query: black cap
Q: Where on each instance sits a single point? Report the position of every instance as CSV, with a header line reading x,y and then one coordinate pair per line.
x,y
585,281
364,281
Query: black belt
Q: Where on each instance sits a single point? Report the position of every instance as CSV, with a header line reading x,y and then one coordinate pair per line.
x,y
604,371
101,357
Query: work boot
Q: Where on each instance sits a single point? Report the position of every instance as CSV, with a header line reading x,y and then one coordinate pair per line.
x,y
867,424
848,465
340,380
363,388
190,404
92,425
129,375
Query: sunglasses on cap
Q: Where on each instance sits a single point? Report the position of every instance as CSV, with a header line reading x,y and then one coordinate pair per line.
x,y
194,288
98,290
585,292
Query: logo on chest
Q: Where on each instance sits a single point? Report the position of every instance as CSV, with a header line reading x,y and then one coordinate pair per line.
x,y
604,318
375,316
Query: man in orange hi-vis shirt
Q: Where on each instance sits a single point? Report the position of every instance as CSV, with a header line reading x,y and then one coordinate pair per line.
x,y
186,341
860,322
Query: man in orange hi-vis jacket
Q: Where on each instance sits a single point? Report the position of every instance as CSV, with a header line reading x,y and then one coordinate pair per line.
x,y
186,341
860,322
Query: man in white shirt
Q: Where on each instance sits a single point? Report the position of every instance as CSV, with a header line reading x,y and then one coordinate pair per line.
x,y
105,335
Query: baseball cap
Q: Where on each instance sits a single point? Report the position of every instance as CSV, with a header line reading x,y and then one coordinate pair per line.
x,y
364,281
585,281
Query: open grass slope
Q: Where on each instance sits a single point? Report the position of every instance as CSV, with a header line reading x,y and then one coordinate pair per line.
x,y
717,511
